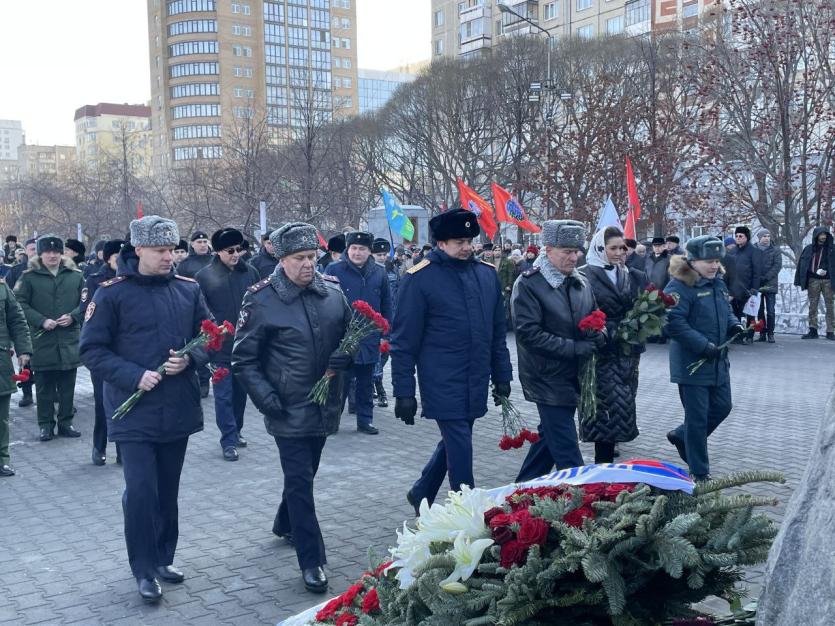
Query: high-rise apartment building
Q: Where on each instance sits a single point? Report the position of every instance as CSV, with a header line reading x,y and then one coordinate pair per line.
x,y
215,64
11,138
108,131
377,86
468,27
44,161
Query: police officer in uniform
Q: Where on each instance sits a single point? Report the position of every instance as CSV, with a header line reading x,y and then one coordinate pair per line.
x,y
381,249
450,325
700,321
136,322
288,333
110,255
362,279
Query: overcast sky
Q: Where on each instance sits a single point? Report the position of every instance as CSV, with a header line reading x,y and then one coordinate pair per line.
x,y
58,55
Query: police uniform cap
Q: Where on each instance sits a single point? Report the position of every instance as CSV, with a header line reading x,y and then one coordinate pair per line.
x,y
226,238
359,238
109,248
454,224
198,234
705,248
380,245
658,241
49,243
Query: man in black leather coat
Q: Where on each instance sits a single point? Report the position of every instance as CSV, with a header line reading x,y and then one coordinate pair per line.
x,y
288,335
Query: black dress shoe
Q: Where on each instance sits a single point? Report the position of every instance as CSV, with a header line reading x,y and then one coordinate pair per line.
x,y
68,431
678,443
98,457
6,470
170,574
288,536
26,400
46,434
149,589
241,441
230,453
410,498
315,580
368,429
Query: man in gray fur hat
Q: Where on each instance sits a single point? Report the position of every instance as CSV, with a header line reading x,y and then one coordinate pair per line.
x,y
135,322
547,302
288,335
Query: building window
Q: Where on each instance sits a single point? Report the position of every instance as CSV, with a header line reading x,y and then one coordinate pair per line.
x,y
196,131
346,64
346,43
241,30
438,47
192,69
176,7
585,32
337,61
197,152
274,12
243,112
195,89
336,42
242,92
614,25
192,47
582,5
195,110
637,12
242,51
242,72
346,82
192,26
691,10
552,11
346,23
438,19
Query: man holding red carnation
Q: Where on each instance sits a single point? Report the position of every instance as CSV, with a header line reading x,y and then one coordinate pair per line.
x,y
547,304
136,321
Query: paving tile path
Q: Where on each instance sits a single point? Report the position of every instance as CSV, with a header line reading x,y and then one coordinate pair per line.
x,y
62,555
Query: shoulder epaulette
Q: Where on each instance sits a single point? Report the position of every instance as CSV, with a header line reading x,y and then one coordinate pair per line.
x,y
416,268
259,285
530,272
191,280
490,265
113,281
330,279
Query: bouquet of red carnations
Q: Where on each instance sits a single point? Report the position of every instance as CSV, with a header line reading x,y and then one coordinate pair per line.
x,y
646,318
514,432
756,327
211,337
594,322
364,322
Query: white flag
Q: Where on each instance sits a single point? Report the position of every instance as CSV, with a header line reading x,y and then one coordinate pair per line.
x,y
608,216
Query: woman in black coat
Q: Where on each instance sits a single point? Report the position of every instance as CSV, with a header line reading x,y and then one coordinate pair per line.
x,y
615,288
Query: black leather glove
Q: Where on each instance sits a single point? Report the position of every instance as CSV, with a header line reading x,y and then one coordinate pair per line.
x,y
583,348
597,338
340,361
405,408
500,390
711,352
736,329
272,405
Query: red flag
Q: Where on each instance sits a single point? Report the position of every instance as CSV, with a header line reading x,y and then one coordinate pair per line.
x,y
634,212
509,210
322,241
471,201
139,213
629,228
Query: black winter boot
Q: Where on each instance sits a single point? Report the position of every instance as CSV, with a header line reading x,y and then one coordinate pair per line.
x,y
382,401
812,334
770,337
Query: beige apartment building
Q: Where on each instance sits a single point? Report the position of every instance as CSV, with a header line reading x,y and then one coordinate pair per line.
x,y
217,64
467,27
44,161
107,131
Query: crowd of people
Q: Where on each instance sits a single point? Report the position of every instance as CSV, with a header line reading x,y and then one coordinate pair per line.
x,y
134,303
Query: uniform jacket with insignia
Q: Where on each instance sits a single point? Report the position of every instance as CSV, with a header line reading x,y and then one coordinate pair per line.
x,y
14,333
92,284
450,326
43,296
283,341
702,314
130,326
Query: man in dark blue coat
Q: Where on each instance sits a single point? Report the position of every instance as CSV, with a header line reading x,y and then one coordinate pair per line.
x,y
224,282
381,249
110,255
748,267
265,260
450,325
362,279
136,322
701,321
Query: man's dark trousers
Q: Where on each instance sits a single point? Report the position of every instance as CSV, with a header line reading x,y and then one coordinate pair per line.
x,y
453,455
363,377
767,306
557,443
152,483
55,386
704,409
100,424
297,512
230,403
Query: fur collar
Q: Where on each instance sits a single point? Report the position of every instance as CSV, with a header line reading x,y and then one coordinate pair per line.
x,y
288,291
681,270
551,274
66,262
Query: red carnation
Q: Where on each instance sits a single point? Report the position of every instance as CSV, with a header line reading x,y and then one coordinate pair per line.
x,y
227,326
596,321
382,567
385,346
24,375
208,327
349,596
505,443
371,602
531,437
219,374
533,531
512,553
363,308
758,326
346,619
329,610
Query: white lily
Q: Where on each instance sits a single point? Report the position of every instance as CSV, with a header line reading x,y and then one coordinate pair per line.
x,y
467,555
411,552
462,511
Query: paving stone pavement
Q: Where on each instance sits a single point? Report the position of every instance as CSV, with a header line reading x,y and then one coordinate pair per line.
x,y
62,555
